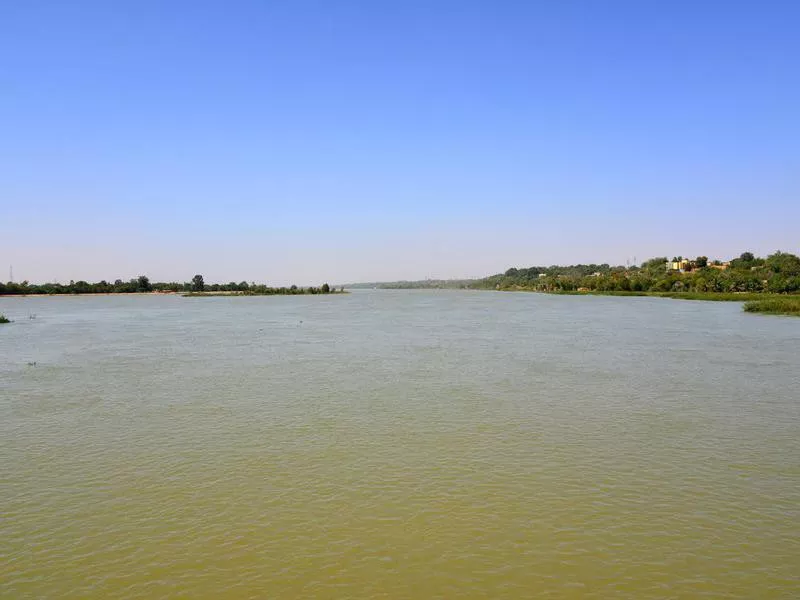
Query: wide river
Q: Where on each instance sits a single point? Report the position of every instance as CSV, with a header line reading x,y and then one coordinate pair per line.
x,y
398,444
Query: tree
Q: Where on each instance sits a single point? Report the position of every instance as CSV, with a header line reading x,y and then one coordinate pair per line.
x,y
784,263
746,261
198,285
143,284
326,289
700,284
701,262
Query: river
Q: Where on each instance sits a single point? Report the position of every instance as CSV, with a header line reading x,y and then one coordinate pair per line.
x,y
398,444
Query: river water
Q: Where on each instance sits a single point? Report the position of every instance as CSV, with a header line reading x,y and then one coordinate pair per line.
x,y
398,444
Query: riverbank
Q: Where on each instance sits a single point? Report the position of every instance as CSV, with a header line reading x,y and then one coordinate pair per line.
x,y
755,302
705,296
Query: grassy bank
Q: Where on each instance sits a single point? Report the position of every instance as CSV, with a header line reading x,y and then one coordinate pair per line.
x,y
755,302
719,296
787,305
707,296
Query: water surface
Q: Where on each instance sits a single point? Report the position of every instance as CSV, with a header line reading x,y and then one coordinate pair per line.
x,y
398,444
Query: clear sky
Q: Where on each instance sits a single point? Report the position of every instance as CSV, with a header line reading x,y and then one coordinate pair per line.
x,y
301,142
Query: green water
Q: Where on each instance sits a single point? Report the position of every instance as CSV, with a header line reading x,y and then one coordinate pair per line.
x,y
395,444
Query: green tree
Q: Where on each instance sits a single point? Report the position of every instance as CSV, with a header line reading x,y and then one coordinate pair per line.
x,y
784,263
326,289
143,284
701,262
198,285
700,284
655,265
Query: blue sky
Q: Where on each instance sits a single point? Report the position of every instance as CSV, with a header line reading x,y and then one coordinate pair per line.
x,y
300,142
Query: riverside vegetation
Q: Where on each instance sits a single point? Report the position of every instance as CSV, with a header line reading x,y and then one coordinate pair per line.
x,y
771,284
786,305
777,273
143,285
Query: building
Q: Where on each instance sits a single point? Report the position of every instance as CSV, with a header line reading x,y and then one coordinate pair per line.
x,y
682,265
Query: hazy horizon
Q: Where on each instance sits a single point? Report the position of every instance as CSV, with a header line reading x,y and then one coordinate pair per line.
x,y
308,142
378,279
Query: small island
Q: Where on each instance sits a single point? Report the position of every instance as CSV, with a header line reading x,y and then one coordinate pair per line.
x,y
142,285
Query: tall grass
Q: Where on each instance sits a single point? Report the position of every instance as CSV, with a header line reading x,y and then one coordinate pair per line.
x,y
788,305
716,296
711,296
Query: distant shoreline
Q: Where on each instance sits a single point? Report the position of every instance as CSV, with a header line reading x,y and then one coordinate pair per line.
x,y
181,294
209,294
143,285
73,294
277,292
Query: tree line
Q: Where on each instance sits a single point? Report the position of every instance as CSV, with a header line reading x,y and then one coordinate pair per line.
x,y
142,284
776,273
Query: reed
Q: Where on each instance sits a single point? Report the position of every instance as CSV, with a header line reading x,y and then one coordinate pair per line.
x,y
788,305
